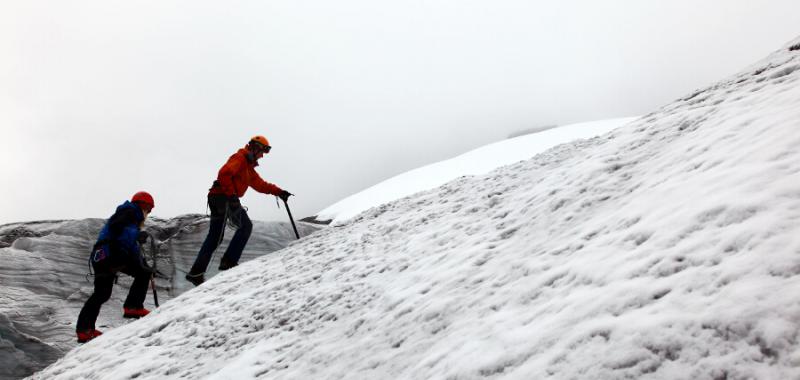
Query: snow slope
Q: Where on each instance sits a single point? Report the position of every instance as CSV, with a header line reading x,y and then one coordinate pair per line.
x,y
475,162
44,283
666,249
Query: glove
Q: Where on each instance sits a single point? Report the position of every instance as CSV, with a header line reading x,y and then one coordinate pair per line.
x,y
284,195
142,239
147,268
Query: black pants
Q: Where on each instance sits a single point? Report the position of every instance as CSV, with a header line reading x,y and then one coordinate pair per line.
x,y
105,273
221,211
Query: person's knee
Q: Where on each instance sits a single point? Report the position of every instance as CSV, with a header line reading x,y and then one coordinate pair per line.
x,y
103,295
216,232
246,228
245,224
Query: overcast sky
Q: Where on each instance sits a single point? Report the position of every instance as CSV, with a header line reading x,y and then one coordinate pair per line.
x,y
99,99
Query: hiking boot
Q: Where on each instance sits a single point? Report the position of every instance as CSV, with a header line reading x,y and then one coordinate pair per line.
x,y
196,279
225,264
134,312
85,336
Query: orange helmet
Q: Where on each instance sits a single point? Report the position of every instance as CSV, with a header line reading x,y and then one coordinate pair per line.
x,y
144,198
261,143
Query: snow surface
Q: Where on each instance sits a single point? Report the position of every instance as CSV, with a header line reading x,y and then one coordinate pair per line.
x,y
475,162
666,249
44,282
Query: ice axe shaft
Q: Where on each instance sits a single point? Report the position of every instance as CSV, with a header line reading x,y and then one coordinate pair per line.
x,y
153,285
291,218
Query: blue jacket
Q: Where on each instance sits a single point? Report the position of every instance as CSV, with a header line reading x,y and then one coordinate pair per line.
x,y
119,237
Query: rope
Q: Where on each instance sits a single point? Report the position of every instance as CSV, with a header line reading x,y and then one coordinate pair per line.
x,y
91,271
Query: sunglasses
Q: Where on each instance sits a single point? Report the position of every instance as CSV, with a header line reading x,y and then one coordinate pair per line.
x,y
260,148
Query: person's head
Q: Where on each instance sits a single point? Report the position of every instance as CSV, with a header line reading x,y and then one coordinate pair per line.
x,y
145,201
259,146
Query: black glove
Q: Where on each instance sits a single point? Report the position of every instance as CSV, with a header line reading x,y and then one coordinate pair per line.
x,y
142,239
284,195
147,268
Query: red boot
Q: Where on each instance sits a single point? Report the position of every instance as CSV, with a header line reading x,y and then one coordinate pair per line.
x,y
134,312
84,336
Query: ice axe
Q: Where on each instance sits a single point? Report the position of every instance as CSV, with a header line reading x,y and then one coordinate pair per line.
x,y
143,237
153,285
291,218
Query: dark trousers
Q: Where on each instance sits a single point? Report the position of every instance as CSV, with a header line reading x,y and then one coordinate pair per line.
x,y
221,211
105,274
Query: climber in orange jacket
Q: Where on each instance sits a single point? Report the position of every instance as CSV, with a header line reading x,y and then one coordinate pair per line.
x,y
232,182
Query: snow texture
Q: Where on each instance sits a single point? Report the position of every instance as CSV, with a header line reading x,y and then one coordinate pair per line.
x,y
666,249
475,162
44,282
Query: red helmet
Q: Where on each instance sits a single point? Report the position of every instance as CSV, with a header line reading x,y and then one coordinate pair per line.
x,y
261,143
144,198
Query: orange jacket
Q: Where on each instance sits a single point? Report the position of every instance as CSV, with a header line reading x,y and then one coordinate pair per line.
x,y
238,174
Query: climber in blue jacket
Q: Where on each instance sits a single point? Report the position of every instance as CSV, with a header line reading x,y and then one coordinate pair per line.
x,y
117,250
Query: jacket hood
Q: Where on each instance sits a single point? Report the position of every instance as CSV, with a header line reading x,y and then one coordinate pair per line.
x,y
138,213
